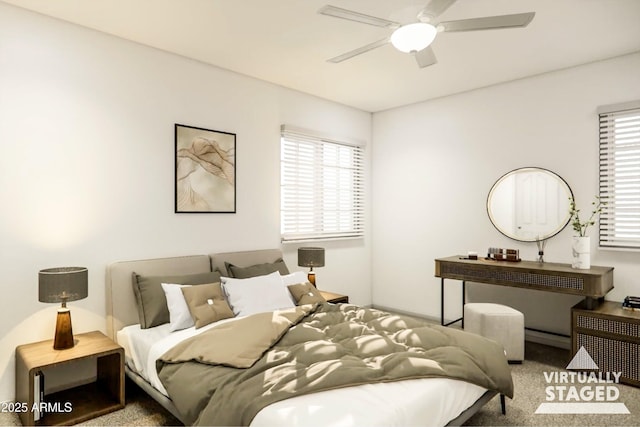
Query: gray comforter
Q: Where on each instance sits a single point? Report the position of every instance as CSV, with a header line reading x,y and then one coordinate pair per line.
x,y
226,375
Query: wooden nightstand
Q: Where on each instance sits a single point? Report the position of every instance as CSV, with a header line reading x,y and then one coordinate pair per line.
x,y
611,336
334,298
76,404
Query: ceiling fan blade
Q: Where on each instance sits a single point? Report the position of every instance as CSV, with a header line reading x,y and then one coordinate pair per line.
x,y
489,22
338,12
434,9
359,51
426,57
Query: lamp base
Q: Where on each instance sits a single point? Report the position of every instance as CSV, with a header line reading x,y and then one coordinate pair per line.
x,y
64,333
311,277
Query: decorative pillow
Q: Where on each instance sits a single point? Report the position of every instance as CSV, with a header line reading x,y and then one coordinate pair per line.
x,y
292,279
150,299
206,303
256,294
257,269
306,293
179,314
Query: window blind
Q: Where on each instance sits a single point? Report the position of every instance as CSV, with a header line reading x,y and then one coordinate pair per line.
x,y
620,175
321,187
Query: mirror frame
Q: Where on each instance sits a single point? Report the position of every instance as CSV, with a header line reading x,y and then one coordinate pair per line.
x,y
561,181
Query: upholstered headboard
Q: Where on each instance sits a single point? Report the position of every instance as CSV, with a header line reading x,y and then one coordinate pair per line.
x,y
121,304
244,259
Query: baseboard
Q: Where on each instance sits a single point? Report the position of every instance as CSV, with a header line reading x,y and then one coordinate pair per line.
x,y
71,384
548,339
533,336
405,313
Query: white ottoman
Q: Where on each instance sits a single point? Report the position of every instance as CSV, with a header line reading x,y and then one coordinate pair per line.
x,y
500,323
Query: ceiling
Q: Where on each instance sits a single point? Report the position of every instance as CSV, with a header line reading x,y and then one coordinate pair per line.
x,y
287,43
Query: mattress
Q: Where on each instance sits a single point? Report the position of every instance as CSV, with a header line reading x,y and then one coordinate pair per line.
x,y
427,401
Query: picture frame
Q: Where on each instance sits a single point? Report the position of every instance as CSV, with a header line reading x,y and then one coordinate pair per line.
x,y
205,170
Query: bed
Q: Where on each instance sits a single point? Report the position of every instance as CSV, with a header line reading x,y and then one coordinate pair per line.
x,y
410,401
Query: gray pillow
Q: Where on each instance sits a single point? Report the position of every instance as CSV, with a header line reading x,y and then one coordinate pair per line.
x,y
257,269
151,300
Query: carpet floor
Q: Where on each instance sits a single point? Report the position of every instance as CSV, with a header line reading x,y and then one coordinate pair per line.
x,y
530,384
528,377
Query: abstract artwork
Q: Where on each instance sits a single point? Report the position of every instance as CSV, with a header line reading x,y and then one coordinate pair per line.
x,y
205,170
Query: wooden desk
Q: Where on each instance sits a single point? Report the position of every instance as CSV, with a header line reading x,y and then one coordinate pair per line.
x,y
593,283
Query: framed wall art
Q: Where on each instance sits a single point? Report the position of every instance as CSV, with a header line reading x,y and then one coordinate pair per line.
x,y
205,180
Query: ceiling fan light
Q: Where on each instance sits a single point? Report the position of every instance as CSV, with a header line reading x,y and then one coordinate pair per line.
x,y
413,37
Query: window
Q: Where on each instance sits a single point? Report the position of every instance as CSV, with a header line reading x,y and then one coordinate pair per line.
x,y
620,175
321,187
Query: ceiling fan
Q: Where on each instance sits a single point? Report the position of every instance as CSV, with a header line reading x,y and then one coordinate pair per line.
x,y
417,37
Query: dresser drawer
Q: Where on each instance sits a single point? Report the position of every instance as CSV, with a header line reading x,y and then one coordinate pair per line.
x,y
595,323
613,355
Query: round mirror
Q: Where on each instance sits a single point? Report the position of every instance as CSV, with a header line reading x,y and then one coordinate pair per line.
x,y
529,204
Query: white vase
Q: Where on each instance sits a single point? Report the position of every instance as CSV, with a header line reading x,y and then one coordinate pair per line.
x,y
581,249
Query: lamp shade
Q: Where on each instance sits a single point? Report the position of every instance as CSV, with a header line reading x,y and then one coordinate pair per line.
x,y
62,284
311,257
413,37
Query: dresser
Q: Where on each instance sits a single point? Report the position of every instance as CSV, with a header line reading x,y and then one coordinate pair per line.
x,y
611,336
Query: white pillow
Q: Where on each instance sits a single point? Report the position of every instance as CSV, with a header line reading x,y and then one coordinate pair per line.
x,y
179,314
295,278
257,294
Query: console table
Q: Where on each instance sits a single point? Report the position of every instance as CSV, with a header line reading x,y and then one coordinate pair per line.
x,y
593,283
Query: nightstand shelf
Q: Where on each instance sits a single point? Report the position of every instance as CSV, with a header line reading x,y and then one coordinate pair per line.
x,y
79,403
611,336
334,298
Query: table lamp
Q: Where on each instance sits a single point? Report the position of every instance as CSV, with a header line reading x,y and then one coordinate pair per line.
x,y
311,257
63,284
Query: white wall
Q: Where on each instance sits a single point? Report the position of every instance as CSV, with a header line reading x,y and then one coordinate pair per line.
x,y
87,166
86,127
434,163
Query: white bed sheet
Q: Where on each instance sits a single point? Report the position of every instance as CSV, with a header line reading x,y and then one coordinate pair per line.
x,y
418,402
144,346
